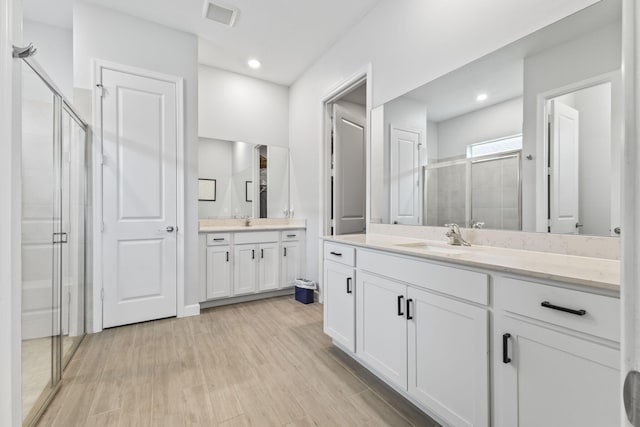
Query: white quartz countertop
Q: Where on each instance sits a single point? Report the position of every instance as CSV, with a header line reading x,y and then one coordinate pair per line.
x,y
236,228
592,272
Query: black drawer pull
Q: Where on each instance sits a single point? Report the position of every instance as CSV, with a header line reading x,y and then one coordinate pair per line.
x,y
547,304
336,253
261,253
349,290
409,316
227,256
253,254
400,312
291,235
505,348
285,251
219,239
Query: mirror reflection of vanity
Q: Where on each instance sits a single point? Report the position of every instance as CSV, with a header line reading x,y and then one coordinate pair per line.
x,y
525,138
240,179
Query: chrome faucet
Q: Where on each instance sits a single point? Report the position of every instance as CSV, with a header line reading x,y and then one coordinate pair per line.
x,y
455,236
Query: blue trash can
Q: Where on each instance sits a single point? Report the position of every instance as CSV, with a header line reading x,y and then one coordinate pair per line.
x,y
304,290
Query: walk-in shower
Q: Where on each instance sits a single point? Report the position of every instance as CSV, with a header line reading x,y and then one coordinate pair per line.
x,y
55,211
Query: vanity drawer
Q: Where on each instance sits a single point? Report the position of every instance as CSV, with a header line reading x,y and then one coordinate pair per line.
x,y
292,235
458,282
256,237
340,253
601,313
214,239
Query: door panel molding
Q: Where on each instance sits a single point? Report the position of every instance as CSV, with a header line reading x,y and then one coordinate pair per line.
x,y
98,67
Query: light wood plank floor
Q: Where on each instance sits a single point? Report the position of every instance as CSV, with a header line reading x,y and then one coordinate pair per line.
x,y
264,363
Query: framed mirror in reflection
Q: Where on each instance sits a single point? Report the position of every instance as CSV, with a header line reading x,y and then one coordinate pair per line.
x,y
525,138
234,167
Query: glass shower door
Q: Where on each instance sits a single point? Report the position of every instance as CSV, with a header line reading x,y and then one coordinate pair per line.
x,y
41,230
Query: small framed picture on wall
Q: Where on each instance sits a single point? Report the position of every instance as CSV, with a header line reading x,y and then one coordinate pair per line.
x,y
206,190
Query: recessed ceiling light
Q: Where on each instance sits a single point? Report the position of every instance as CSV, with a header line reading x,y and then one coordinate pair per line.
x,y
482,97
254,63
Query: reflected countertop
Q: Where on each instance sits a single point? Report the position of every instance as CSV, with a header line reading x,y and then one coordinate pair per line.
x,y
575,270
236,228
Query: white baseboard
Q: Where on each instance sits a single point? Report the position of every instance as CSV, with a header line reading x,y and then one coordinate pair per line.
x,y
191,310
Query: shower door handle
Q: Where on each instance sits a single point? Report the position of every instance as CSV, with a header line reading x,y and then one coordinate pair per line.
x,y
59,238
168,229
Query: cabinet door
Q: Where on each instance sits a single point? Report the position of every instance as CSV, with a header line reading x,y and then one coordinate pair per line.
x,y
448,358
340,304
268,266
218,272
553,379
382,326
291,263
245,270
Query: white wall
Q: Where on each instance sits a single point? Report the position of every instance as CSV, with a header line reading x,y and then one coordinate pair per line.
x,y
496,121
100,33
55,53
234,107
214,162
408,43
594,54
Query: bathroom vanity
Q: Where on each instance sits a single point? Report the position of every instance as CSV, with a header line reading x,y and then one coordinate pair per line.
x,y
241,263
479,336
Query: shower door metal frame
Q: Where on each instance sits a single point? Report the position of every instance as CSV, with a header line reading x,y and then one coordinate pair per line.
x,y
60,105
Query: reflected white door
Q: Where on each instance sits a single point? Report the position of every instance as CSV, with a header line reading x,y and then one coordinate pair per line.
x,y
139,198
405,176
564,174
349,184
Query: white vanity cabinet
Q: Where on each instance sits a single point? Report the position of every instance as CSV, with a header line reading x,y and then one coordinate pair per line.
x,y
556,364
430,330
218,267
292,256
433,347
339,301
244,263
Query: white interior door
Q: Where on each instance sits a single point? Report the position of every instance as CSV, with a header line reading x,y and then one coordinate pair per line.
x,y
564,175
405,176
349,182
139,137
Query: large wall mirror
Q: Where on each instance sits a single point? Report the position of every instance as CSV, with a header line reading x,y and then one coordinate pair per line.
x,y
240,179
525,138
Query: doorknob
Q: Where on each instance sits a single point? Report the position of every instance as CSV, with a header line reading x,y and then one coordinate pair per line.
x,y
169,229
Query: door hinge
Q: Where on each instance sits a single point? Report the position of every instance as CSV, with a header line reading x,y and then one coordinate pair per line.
x,y
549,171
100,90
102,294
101,159
102,227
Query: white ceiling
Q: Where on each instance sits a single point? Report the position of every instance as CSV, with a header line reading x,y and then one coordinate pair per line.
x,y
285,35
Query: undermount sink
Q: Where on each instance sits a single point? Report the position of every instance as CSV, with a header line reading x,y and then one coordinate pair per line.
x,y
432,248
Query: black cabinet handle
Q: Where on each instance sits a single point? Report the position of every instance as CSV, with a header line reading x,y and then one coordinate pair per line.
x,y
336,253
227,256
547,304
400,298
291,235
409,316
220,239
285,251
349,290
261,253
505,348
253,254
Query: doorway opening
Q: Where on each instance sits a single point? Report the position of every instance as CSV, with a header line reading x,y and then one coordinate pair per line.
x,y
347,128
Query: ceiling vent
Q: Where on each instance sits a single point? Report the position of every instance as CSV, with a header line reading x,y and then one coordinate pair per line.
x,y
220,14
